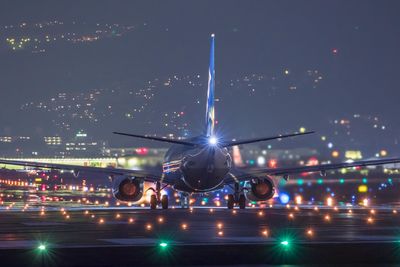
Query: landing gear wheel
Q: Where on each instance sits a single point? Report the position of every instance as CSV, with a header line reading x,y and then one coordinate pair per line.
x,y
230,202
242,202
164,202
153,202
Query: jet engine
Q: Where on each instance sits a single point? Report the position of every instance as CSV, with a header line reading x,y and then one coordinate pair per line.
x,y
128,189
259,189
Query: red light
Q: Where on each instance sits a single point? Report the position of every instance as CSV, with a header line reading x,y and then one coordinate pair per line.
x,y
272,163
43,187
335,51
142,151
312,161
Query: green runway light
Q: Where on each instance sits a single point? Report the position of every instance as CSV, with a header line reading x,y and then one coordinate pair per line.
x,y
163,244
42,247
320,181
285,243
300,181
364,180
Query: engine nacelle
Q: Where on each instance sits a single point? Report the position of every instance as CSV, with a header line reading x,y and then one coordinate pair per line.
x,y
259,189
128,189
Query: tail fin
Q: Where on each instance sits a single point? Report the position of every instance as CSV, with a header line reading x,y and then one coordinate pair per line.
x,y
210,115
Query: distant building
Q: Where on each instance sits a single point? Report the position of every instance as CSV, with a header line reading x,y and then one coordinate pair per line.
x,y
83,145
53,140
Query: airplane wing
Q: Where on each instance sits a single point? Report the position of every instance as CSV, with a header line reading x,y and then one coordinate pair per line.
x,y
255,140
285,172
149,177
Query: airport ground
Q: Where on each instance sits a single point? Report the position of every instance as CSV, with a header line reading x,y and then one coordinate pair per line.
x,y
76,228
125,236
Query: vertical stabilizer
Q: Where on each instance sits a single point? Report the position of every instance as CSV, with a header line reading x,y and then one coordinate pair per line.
x,y
210,113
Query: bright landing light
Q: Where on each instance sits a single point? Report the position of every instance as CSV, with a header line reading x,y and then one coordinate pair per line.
x,y
213,140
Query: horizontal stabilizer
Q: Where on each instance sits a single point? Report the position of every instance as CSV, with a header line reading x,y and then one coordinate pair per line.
x,y
255,140
180,142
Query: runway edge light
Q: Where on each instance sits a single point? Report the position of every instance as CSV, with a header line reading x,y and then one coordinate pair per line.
x,y
42,247
163,244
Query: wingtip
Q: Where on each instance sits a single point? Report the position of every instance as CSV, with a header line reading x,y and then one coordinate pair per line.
x,y
302,133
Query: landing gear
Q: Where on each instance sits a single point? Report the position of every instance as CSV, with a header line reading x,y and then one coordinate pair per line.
x,y
184,200
231,201
153,202
242,202
164,202
156,197
236,198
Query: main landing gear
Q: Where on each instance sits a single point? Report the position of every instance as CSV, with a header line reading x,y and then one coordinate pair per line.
x,y
156,198
236,198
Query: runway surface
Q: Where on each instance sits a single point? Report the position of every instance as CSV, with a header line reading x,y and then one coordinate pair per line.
x,y
283,228
132,226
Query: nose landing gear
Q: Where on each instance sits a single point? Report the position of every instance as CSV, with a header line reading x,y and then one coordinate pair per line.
x,y
184,197
236,198
156,198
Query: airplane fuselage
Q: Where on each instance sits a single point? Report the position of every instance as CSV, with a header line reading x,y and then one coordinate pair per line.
x,y
197,169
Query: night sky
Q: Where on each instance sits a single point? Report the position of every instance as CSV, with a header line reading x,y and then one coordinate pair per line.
x,y
355,45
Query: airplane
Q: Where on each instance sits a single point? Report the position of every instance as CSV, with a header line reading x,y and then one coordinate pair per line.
x,y
201,164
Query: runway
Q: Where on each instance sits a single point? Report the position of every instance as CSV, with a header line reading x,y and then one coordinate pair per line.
x,y
294,229
137,227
